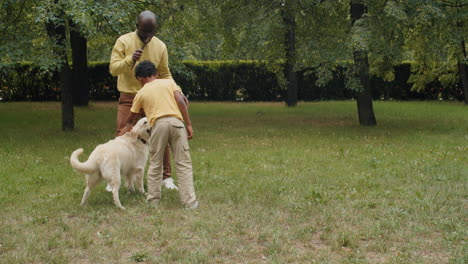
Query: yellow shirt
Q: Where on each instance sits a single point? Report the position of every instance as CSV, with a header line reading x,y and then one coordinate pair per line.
x,y
121,61
157,100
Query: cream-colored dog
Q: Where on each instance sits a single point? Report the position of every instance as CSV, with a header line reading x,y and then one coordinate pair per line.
x,y
125,155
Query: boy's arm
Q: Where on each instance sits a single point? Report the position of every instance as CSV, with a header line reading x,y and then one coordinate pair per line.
x,y
131,121
179,98
182,93
135,114
186,101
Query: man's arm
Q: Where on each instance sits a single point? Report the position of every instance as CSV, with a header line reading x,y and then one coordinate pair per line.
x,y
163,67
119,62
179,98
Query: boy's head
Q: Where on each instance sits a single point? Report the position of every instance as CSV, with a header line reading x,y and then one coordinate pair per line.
x,y
145,72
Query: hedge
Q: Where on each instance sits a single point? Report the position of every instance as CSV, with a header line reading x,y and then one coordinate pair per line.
x,y
217,81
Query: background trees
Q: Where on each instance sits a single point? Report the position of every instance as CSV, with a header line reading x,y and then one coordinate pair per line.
x,y
370,37
437,41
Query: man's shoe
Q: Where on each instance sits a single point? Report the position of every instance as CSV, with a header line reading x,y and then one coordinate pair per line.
x,y
169,184
192,206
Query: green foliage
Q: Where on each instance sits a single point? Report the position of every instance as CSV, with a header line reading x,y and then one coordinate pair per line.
x,y
437,40
25,81
22,38
429,33
233,80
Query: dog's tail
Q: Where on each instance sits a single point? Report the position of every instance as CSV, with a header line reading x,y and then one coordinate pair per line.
x,y
83,167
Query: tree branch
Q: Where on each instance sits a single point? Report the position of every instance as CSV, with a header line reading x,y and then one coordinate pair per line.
x,y
23,3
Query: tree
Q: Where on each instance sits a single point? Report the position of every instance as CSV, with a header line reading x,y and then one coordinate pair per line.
x,y
47,45
261,30
56,30
438,41
79,48
361,63
289,19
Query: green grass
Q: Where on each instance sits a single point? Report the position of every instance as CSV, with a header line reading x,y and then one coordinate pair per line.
x,y
276,185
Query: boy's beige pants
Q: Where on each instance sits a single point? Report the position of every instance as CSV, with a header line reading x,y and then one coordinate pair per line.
x,y
170,130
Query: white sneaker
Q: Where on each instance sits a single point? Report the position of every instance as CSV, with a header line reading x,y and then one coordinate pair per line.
x,y
169,184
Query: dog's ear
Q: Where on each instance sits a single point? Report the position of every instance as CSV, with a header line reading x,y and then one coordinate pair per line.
x,y
133,134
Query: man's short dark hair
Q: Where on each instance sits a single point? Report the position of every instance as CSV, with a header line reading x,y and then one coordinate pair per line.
x,y
145,69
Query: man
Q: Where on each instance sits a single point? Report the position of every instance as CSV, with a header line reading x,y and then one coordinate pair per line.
x,y
128,50
167,113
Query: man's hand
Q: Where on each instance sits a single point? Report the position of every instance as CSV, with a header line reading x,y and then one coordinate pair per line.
x,y
137,55
189,131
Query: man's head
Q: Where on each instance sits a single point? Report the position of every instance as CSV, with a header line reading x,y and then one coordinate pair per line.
x,y
145,72
146,26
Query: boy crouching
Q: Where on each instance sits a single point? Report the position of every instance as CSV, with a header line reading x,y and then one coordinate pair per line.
x,y
166,112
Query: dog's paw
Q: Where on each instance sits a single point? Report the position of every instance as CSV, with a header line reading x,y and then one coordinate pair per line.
x,y
121,208
108,188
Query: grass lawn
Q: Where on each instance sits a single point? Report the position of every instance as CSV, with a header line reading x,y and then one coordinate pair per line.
x,y
276,185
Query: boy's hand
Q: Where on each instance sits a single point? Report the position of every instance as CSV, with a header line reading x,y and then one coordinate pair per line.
x,y
189,131
124,130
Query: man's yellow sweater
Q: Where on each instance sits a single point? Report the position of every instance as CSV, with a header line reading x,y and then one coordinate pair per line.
x,y
121,61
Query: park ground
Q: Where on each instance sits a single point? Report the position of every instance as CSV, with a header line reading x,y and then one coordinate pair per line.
x,y
275,184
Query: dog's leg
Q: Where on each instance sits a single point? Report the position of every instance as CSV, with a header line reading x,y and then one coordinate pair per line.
x,y
110,171
86,193
115,194
138,177
129,182
91,180
115,184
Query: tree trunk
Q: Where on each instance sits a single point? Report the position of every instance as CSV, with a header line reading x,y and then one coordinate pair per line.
x,y
290,44
80,67
57,32
463,72
364,96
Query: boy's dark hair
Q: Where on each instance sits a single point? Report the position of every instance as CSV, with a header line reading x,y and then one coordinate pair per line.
x,y
145,69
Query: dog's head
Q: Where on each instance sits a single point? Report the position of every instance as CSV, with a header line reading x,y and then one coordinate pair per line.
x,y
141,130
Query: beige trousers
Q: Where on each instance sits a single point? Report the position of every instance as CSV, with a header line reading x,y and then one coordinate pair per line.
x,y
170,130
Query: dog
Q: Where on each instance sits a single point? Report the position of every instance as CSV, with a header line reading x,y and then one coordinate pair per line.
x,y
125,155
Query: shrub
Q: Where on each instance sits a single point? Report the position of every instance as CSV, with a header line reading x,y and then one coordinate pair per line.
x,y
219,81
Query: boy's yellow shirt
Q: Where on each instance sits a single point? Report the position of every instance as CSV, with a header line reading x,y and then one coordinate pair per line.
x,y
121,61
157,100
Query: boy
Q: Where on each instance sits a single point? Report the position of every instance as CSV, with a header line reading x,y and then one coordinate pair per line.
x,y
166,111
